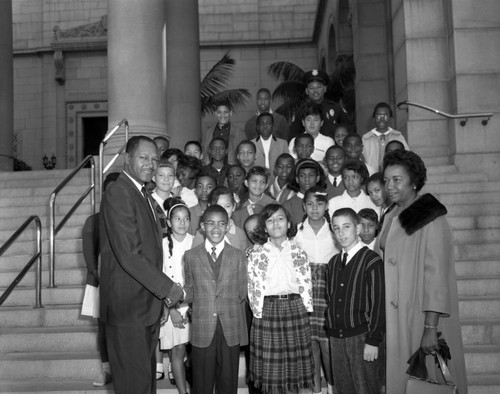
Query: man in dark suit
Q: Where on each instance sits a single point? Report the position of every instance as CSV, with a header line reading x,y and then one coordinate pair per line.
x,y
133,286
267,147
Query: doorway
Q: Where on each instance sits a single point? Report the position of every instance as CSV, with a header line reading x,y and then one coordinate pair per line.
x,y
94,130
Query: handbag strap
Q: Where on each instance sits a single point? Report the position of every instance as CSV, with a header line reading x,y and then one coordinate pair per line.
x,y
444,370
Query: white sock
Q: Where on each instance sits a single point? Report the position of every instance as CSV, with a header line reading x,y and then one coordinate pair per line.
x,y
159,367
330,388
106,367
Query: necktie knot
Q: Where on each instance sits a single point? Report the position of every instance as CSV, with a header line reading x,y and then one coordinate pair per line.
x,y
213,254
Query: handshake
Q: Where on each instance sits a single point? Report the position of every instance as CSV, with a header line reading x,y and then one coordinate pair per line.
x,y
175,296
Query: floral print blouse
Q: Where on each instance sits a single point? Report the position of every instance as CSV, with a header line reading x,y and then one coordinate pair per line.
x,y
258,263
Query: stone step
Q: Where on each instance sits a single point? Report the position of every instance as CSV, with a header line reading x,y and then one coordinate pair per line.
x,y
481,332
479,267
29,234
59,365
483,383
457,178
61,246
49,339
478,251
43,211
63,277
479,286
479,307
474,222
60,295
473,209
48,316
441,169
460,187
469,198
436,161
483,359
62,260
13,223
476,236
74,188
41,200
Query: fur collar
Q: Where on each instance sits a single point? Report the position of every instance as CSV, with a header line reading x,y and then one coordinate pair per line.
x,y
423,211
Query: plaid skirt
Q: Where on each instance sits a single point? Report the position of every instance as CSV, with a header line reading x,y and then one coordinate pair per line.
x,y
318,317
280,347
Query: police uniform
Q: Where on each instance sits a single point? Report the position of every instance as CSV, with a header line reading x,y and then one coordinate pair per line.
x,y
332,112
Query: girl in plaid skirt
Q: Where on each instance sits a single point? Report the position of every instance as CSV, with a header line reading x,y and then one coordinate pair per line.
x,y
316,239
280,296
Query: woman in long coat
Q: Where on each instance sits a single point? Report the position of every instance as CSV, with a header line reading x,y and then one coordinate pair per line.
x,y
421,288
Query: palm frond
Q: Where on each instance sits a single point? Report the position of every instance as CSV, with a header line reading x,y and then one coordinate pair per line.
x,y
217,78
285,71
289,91
235,98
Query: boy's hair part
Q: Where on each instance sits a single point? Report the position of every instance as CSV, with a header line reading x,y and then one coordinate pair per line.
x,y
358,167
313,110
368,214
246,142
382,105
303,136
197,143
257,171
220,191
213,209
349,212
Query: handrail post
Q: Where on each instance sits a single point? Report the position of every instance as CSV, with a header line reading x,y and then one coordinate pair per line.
x,y
92,180
38,284
52,229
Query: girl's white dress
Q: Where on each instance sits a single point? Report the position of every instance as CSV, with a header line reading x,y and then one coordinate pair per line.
x,y
173,266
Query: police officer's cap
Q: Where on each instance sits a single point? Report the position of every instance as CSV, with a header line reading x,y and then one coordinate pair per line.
x,y
316,75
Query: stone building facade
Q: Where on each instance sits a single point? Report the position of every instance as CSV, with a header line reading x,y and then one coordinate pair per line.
x,y
444,54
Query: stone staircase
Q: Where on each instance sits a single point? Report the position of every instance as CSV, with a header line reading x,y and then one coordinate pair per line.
x,y
54,349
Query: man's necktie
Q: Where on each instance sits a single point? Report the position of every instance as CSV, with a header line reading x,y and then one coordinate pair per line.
x,y
213,255
335,182
344,261
145,193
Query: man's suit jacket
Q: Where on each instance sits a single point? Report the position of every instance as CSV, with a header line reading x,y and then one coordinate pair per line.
x,y
280,127
132,282
278,146
216,298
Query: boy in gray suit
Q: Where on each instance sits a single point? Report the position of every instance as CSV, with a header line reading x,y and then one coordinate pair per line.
x,y
216,285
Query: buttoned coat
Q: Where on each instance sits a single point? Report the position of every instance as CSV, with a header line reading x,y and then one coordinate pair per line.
x,y
419,277
132,282
216,298
278,146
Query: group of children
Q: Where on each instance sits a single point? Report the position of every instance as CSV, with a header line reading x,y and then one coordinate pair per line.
x,y
255,232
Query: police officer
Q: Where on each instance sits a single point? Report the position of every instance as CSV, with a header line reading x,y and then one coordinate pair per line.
x,y
316,82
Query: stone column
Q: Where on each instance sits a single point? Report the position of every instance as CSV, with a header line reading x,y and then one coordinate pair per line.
x,y
136,67
183,72
6,86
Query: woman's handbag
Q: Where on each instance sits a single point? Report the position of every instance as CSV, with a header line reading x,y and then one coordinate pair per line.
x,y
422,384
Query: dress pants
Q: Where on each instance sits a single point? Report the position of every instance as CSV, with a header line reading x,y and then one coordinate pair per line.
x,y
132,358
217,364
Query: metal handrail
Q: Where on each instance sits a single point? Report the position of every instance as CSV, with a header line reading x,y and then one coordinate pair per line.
x,y
109,134
464,117
37,257
53,230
